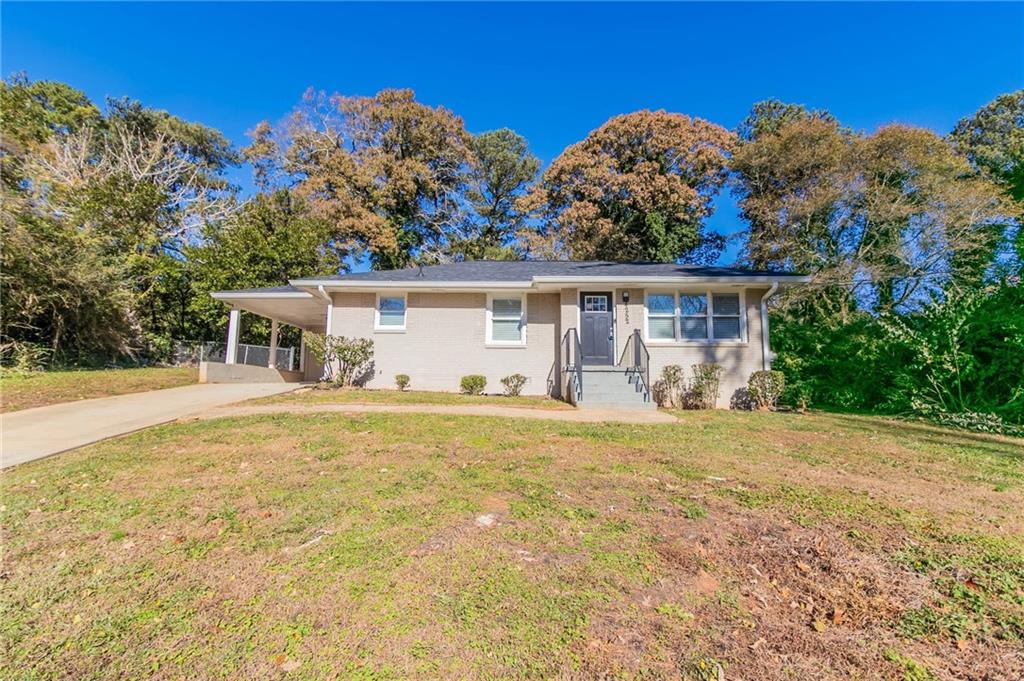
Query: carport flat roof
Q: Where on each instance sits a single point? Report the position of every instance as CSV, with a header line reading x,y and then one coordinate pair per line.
x,y
284,303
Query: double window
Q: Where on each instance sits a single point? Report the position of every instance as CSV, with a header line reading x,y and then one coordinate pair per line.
x,y
390,313
704,316
506,320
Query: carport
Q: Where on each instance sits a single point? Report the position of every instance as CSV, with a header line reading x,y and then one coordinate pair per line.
x,y
281,305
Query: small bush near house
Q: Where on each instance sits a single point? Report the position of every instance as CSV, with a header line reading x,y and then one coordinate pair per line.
x,y
704,388
765,388
351,355
473,384
513,384
402,381
669,390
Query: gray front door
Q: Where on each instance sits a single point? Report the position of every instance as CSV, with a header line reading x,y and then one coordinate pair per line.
x,y
596,328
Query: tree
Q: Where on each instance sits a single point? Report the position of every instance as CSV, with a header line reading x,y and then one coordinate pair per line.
x,y
882,221
768,116
96,205
272,239
993,141
637,188
502,168
387,170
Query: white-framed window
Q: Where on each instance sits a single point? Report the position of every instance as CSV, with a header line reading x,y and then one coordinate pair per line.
x,y
661,315
690,316
506,319
693,316
726,323
390,312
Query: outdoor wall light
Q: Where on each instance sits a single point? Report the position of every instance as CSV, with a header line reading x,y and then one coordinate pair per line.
x,y
625,296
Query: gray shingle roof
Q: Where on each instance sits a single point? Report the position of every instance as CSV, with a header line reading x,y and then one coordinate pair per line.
x,y
287,288
491,270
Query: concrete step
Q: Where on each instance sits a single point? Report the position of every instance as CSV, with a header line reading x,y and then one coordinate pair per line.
x,y
616,405
622,395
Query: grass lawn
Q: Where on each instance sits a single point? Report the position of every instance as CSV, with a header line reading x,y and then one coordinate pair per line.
x,y
40,388
774,546
366,396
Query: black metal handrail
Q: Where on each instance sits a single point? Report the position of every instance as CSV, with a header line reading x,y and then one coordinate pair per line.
x,y
636,360
572,361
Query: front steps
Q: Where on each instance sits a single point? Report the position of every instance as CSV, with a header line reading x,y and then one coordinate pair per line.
x,y
613,388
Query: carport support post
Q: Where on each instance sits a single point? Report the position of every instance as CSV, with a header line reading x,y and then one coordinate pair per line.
x,y
272,361
234,322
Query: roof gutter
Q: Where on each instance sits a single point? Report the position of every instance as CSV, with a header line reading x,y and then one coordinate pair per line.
x,y
372,284
772,279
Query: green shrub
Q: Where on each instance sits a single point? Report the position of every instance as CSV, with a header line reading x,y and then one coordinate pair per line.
x,y
473,384
972,420
765,388
345,360
513,384
703,390
668,391
25,357
958,355
402,381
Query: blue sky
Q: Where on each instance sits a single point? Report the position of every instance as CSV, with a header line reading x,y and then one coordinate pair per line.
x,y
550,72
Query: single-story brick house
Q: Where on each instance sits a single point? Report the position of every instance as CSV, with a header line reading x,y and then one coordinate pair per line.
x,y
593,333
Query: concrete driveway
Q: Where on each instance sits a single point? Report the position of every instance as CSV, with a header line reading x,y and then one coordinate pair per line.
x,y
34,433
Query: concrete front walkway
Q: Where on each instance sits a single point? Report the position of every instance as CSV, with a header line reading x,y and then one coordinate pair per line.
x,y
577,415
34,433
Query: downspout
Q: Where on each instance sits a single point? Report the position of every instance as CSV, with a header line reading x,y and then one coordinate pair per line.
x,y
766,352
327,370
330,308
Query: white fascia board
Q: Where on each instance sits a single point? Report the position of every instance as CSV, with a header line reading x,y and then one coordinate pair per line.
x,y
364,285
672,281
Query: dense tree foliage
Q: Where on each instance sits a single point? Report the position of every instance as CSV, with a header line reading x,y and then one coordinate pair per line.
x,y
883,220
386,170
272,239
97,206
993,140
637,188
502,168
963,355
913,308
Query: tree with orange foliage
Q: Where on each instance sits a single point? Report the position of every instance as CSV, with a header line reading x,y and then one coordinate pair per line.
x,y
386,170
637,188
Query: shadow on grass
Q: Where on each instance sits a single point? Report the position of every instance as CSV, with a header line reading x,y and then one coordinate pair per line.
x,y
980,443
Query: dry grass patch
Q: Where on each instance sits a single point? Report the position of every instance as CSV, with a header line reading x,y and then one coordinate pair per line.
x,y
42,388
398,546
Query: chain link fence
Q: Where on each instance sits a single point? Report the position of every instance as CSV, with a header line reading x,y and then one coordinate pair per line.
x,y
188,353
